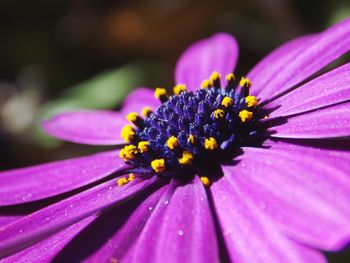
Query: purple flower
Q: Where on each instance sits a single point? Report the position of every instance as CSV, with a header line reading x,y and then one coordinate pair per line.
x,y
248,170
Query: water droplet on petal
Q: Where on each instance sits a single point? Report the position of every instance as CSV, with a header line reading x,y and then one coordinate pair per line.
x,y
166,202
180,232
150,208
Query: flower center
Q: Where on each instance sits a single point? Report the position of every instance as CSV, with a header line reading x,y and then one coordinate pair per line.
x,y
193,133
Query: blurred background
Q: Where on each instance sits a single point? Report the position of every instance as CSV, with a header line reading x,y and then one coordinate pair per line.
x,y
58,55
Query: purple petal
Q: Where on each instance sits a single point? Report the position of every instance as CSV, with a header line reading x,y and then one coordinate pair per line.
x,y
46,250
305,190
94,127
329,89
299,59
141,97
333,121
43,223
217,53
47,180
249,235
180,229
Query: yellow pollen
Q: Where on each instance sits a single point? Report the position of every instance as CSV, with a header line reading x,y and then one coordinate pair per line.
x,y
143,146
128,152
121,181
205,181
245,115
186,158
128,133
244,82
227,102
206,84
215,76
179,88
146,111
210,144
132,116
266,117
230,77
218,113
191,139
159,92
158,165
172,142
131,177
251,101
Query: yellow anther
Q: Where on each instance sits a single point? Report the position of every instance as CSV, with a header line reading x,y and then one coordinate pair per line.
x,y
132,116
227,102
205,181
128,152
187,158
160,92
218,113
146,111
215,76
206,84
251,101
127,133
244,82
245,115
210,144
158,165
131,177
191,139
266,117
179,88
230,77
172,142
143,146
121,181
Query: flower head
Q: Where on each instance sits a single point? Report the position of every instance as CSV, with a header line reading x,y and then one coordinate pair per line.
x,y
250,169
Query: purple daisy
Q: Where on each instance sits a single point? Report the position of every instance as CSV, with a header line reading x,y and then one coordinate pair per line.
x,y
254,169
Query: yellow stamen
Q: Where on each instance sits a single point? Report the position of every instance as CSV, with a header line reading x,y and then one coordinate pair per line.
x,y
191,139
160,92
230,77
245,115
172,142
128,152
132,116
143,146
158,165
128,133
218,113
210,144
186,158
244,82
215,76
205,181
121,181
266,117
251,101
179,88
206,84
131,177
227,102
146,111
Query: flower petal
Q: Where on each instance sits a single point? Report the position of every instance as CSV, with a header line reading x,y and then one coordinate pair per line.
x,y
333,121
250,236
96,127
138,99
48,221
299,59
217,53
305,190
181,230
328,89
47,180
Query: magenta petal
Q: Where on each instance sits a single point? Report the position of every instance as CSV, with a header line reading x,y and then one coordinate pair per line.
x,y
47,180
45,222
138,99
333,121
249,235
328,89
180,229
217,53
299,59
305,190
94,127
